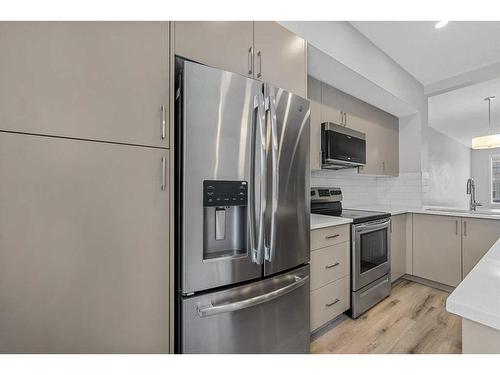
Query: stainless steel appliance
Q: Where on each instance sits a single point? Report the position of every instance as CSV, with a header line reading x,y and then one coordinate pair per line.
x,y
242,214
370,248
342,147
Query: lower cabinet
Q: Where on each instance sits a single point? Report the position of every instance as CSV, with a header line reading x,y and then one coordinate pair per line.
x,y
330,274
437,248
398,246
330,301
478,235
84,255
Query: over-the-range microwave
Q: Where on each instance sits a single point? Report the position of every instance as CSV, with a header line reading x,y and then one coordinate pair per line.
x,y
342,147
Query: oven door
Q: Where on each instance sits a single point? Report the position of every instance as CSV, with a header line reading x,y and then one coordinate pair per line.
x,y
370,252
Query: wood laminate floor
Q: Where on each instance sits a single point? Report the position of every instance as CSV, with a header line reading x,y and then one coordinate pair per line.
x,y
412,320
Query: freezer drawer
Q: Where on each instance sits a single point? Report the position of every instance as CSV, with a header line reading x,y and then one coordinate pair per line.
x,y
268,316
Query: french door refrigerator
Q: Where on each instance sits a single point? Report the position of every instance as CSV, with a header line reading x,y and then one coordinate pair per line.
x,y
242,214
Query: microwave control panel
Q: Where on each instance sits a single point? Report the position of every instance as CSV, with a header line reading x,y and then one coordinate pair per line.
x,y
225,193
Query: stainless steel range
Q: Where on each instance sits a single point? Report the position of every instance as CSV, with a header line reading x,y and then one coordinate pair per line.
x,y
370,248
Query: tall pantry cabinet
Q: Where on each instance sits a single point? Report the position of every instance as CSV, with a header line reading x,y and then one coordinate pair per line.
x,y
84,198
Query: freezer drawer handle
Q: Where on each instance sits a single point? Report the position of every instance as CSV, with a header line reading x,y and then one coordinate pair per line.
x,y
239,305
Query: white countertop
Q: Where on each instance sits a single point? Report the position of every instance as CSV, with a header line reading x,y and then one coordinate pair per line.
x,y
323,221
443,211
477,297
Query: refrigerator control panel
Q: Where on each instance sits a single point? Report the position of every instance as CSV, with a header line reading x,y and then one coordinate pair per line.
x,y
225,193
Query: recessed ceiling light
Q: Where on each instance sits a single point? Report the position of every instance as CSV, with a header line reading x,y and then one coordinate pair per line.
x,y
440,24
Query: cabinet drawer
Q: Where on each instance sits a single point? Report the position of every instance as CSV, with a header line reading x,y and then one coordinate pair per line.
x,y
329,236
329,264
329,301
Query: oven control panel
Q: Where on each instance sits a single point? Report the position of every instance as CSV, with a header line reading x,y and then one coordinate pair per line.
x,y
326,194
225,193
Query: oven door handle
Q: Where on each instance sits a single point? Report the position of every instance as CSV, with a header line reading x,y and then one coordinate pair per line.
x,y
372,227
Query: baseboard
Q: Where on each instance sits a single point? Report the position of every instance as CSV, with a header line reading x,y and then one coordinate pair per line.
x,y
318,332
430,283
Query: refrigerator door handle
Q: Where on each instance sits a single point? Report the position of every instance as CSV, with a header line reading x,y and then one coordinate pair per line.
x,y
214,309
257,234
271,109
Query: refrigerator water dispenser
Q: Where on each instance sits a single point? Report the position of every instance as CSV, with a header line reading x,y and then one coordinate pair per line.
x,y
224,219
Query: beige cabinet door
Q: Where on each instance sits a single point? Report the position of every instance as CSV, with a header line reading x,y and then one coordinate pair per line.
x,y
223,45
478,235
280,57
314,95
84,247
389,148
330,111
437,248
104,81
398,246
374,164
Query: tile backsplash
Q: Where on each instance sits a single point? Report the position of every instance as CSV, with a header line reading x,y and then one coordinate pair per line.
x,y
360,190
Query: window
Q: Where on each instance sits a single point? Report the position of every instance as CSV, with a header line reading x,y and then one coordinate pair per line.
x,y
495,178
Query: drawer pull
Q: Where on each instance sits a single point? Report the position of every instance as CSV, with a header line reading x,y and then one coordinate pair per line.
x,y
332,236
332,265
332,303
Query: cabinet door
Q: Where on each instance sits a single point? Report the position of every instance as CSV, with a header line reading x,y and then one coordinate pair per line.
x,y
223,45
314,95
330,111
398,246
478,235
374,163
389,148
84,247
437,248
103,81
280,57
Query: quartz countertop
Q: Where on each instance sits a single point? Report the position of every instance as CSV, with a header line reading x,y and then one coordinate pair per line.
x,y
477,297
323,221
431,210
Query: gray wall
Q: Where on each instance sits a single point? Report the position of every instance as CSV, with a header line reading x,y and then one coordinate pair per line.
x,y
481,174
448,168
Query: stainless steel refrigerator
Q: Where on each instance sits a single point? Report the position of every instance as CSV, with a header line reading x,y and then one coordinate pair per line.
x,y
242,214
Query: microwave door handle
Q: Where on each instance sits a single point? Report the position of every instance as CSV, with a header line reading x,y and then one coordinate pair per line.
x,y
271,109
258,114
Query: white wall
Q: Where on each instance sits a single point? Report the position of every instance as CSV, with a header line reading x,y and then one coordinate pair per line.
x,y
442,168
346,44
481,173
448,168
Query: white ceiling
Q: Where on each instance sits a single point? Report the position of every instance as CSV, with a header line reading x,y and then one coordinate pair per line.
x,y
463,114
431,54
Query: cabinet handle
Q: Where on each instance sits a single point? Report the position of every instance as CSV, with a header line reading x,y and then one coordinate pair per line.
x,y
250,60
332,303
320,159
163,173
465,228
328,266
259,57
332,236
341,118
383,167
456,227
163,122
345,118
390,226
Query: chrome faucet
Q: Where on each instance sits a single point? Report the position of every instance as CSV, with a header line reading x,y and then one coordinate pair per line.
x,y
471,190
